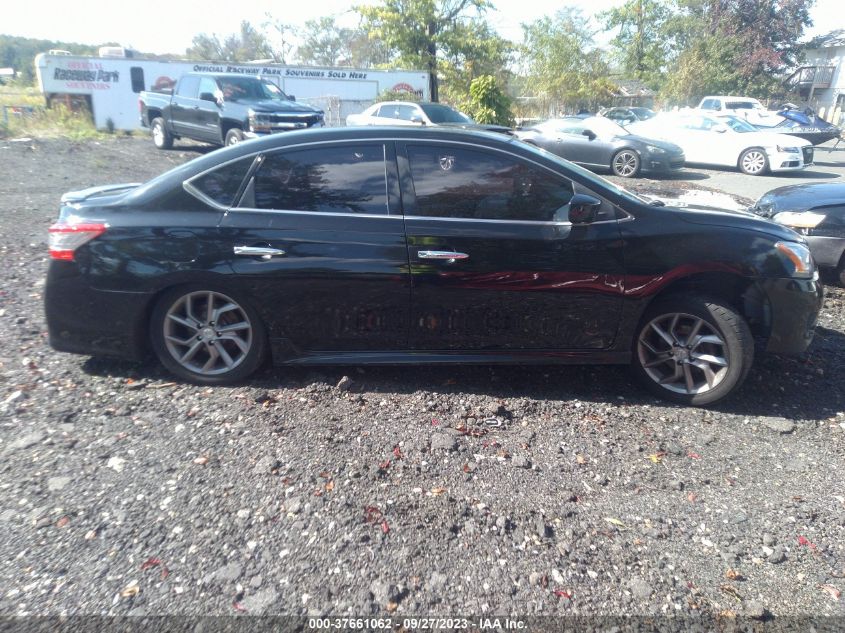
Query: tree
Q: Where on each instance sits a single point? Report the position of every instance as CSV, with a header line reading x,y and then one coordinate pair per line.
x,y
563,64
324,43
488,103
417,29
733,46
640,45
244,46
472,49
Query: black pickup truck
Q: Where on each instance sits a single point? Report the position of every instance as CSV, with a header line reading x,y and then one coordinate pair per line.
x,y
223,109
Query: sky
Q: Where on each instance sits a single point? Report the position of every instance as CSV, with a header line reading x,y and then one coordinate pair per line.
x,y
169,28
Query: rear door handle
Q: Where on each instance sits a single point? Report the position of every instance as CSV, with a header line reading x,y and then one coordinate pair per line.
x,y
264,252
448,256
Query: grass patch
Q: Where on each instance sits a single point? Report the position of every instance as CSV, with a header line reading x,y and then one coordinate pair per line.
x,y
30,117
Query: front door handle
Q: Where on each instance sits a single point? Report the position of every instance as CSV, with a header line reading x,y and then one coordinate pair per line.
x,y
264,252
448,256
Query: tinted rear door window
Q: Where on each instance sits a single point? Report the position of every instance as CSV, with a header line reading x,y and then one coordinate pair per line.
x,y
450,181
339,179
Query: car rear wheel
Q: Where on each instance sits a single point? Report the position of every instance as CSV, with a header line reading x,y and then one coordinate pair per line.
x,y
234,136
753,162
626,163
692,349
162,139
206,336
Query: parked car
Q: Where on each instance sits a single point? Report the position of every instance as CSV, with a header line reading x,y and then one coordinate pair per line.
x,y
623,116
223,109
408,113
728,141
746,108
817,211
408,246
598,142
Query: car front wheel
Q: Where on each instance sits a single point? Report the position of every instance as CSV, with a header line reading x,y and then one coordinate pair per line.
x,y
754,162
693,350
206,336
234,136
626,163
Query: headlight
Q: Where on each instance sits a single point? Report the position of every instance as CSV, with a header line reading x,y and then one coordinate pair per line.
x,y
655,150
258,122
801,220
797,259
787,150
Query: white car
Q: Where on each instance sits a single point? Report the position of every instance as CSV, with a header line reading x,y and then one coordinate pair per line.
x,y
729,142
746,108
409,113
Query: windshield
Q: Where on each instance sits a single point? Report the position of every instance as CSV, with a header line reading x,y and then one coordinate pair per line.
x,y
249,89
604,127
643,114
743,105
439,113
738,125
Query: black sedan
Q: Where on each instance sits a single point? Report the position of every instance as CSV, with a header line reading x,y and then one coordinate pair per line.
x,y
415,245
817,211
598,142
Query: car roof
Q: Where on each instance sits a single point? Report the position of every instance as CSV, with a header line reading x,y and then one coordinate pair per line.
x,y
731,97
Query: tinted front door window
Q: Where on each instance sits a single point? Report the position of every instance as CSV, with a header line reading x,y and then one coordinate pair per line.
x,y
460,183
521,276
347,179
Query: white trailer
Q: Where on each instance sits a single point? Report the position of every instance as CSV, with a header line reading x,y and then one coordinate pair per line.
x,y
110,85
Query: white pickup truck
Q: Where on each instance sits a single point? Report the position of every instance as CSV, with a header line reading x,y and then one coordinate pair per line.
x,y
746,108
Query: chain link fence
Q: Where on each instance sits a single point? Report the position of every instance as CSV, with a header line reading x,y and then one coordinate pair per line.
x,y
338,109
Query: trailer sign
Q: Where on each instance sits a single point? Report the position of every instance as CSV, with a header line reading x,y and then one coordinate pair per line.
x,y
111,85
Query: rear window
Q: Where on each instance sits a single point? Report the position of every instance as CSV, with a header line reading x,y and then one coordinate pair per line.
x,y
222,184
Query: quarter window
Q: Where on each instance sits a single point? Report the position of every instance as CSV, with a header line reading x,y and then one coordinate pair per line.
x,y
223,184
340,179
460,183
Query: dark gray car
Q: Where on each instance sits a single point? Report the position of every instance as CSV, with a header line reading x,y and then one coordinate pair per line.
x,y
817,211
597,142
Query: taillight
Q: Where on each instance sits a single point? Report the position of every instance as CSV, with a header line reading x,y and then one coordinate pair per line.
x,y
66,238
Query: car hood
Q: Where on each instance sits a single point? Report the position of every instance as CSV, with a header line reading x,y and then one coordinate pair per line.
x,y
800,197
711,216
273,105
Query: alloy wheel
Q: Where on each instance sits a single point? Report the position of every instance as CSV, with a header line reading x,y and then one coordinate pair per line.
x,y
753,162
625,164
683,353
207,333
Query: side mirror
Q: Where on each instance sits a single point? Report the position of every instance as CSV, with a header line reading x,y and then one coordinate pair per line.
x,y
589,134
417,118
583,209
208,96
291,98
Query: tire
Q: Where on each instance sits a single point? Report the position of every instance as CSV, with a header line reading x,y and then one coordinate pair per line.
x,y
626,163
840,272
753,162
233,137
222,349
162,139
704,372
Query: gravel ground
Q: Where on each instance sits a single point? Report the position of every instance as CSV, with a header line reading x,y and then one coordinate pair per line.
x,y
396,490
